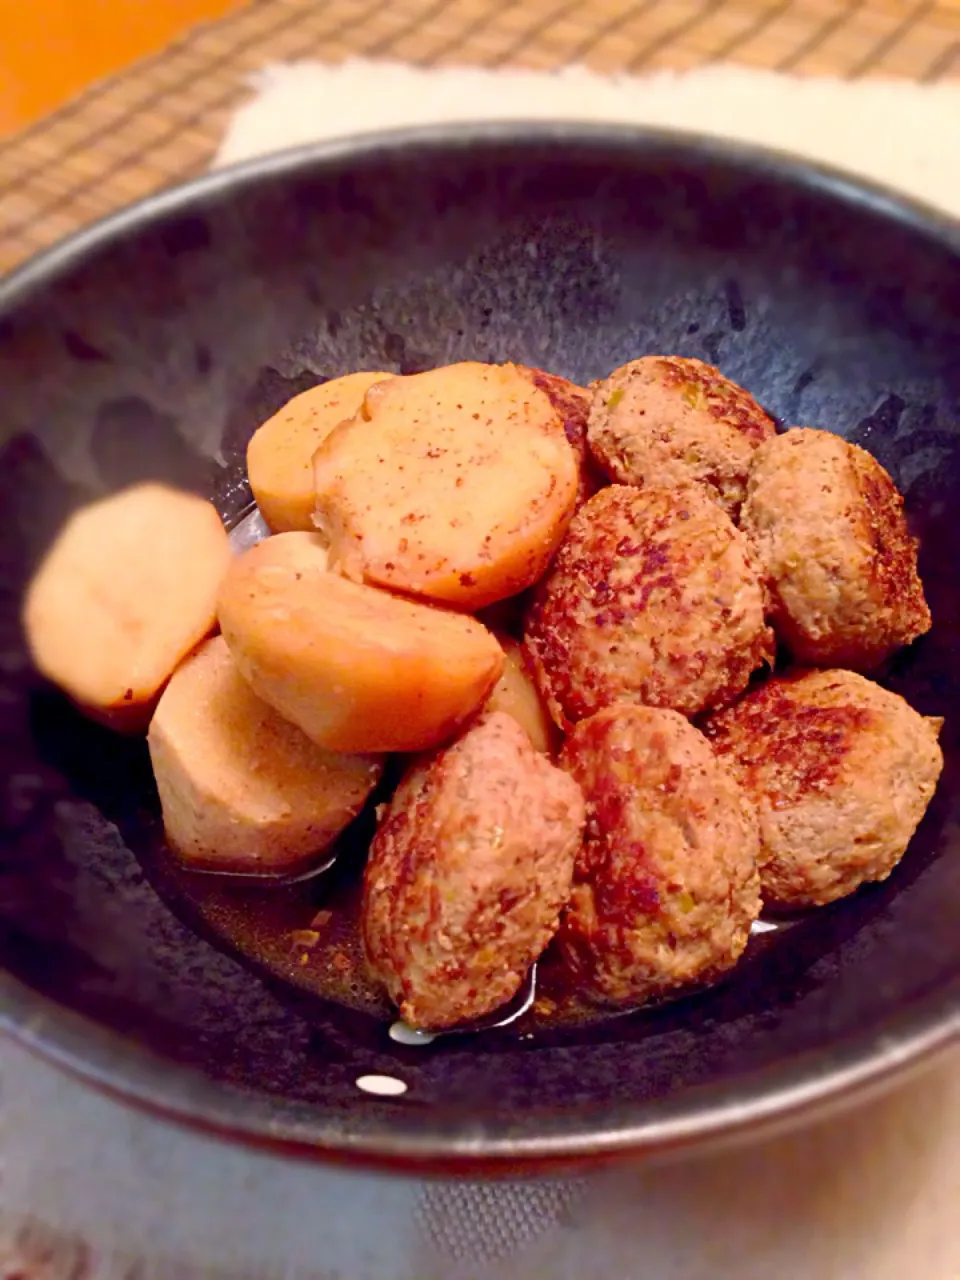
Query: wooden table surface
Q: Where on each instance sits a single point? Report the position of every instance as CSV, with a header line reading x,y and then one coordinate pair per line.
x,y
158,121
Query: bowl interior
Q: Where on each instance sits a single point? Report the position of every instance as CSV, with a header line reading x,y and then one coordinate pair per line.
x,y
157,349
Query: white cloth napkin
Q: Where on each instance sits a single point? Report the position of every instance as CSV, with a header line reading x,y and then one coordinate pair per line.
x,y
93,1189
98,1191
902,134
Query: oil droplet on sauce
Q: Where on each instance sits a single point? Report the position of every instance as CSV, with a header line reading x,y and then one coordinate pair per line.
x,y
250,529
410,1036
382,1086
763,926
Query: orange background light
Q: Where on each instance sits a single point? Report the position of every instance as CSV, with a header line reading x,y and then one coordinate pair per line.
x,y
52,49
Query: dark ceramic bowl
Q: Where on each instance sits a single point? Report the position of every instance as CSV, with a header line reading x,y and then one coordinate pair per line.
x,y
155,343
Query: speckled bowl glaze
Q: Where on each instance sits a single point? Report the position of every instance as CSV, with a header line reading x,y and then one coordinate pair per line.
x,y
153,344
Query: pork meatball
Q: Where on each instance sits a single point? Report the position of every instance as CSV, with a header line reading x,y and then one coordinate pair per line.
x,y
467,874
652,598
573,405
841,771
827,525
665,885
666,420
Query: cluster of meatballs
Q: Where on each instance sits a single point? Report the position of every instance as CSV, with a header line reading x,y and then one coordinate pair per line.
x,y
694,783
563,610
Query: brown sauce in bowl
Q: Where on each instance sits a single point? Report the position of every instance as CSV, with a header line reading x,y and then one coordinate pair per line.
x,y
307,936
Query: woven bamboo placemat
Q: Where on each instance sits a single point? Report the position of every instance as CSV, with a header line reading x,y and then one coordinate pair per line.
x,y
159,122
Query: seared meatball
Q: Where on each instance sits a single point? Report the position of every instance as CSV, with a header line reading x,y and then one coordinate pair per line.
x,y
652,598
841,772
665,886
573,404
666,420
828,528
467,874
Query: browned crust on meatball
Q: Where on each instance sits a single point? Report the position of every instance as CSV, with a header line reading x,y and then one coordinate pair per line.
x,y
841,771
828,527
652,597
467,874
573,404
665,884
666,420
